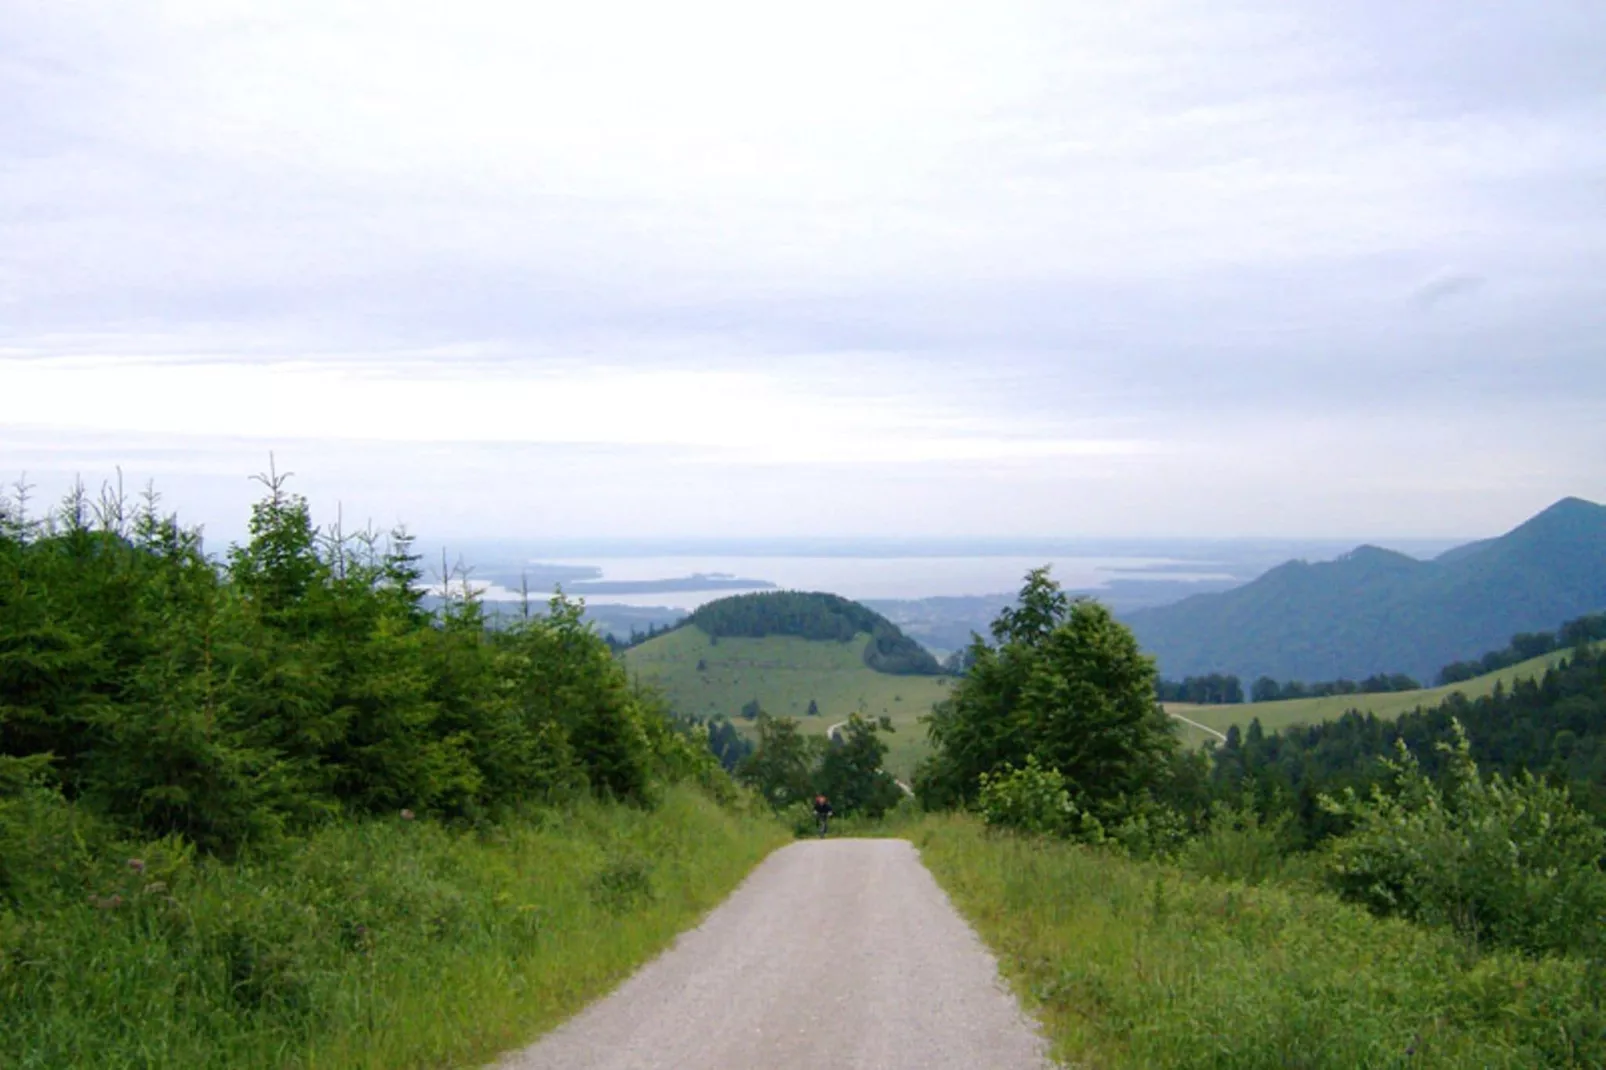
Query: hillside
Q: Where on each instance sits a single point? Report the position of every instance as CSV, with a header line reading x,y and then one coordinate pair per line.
x,y
1274,716
1375,610
708,676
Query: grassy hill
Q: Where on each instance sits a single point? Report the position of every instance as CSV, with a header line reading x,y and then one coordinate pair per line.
x,y
1278,715
709,677
1374,610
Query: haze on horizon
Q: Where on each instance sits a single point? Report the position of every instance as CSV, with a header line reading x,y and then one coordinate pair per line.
x,y
735,270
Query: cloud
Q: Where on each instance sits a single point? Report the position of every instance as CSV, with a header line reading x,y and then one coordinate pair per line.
x,y
1447,286
1079,237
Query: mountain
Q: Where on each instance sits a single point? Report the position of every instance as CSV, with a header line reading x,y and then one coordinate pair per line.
x,y
1375,610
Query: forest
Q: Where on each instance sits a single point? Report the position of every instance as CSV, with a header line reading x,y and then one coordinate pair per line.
x,y
1553,727
300,678
286,805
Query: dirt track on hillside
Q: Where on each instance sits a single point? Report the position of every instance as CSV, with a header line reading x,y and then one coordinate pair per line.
x,y
833,955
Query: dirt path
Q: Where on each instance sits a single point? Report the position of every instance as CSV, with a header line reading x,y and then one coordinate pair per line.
x,y
840,954
1201,727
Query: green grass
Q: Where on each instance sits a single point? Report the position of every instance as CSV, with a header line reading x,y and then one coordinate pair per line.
x,y
381,944
1389,705
1145,966
784,673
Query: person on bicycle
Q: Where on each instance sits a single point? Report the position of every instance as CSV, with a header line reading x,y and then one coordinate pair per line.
x,y
822,812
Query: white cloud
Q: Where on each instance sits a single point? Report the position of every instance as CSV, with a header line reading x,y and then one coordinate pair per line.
x,y
931,264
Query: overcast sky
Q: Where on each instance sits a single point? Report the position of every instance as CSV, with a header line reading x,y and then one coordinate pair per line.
x,y
1286,268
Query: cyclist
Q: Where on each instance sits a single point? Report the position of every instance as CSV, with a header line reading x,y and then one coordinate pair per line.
x,y
822,812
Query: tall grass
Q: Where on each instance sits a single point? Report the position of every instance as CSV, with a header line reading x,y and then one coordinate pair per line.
x,y
1141,965
387,943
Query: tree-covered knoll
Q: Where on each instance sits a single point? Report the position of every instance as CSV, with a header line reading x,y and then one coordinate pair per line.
x,y
818,616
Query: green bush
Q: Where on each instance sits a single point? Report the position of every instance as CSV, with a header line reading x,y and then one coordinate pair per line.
x,y
1029,799
1507,862
1237,845
300,679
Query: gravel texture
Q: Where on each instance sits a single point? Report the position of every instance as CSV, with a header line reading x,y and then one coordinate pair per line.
x,y
832,955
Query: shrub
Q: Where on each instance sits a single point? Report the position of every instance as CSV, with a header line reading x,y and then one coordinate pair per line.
x,y
1238,846
1028,799
1510,862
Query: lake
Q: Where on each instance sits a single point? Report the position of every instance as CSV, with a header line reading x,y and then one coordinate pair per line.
x,y
861,577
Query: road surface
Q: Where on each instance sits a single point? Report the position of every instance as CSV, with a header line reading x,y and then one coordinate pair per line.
x,y
832,955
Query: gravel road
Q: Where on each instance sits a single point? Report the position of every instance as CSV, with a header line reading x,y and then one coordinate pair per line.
x,y
832,955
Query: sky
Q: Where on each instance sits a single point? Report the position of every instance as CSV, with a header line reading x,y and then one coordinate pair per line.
x,y
1064,268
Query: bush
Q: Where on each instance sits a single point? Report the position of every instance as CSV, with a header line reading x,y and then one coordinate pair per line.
x,y
1029,799
1238,846
1508,862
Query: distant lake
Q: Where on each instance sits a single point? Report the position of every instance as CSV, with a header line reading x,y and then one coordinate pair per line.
x,y
864,577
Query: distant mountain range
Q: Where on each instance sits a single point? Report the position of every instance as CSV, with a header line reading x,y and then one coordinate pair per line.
x,y
1376,610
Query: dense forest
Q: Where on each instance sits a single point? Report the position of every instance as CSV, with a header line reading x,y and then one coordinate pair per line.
x,y
820,617
1554,726
300,678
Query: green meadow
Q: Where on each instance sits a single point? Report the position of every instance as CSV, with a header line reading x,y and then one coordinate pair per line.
x,y
709,677
1275,716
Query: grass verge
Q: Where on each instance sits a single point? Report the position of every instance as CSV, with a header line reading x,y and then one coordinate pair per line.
x,y
1141,965
381,944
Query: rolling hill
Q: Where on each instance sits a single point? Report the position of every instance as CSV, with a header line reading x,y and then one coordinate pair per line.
x,y
785,650
1375,610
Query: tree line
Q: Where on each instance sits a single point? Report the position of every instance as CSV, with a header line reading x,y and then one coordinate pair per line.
x,y
1553,726
1226,689
1527,645
298,678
